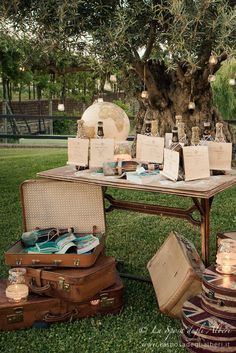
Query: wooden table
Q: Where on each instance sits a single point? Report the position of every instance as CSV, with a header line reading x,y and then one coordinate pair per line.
x,y
201,192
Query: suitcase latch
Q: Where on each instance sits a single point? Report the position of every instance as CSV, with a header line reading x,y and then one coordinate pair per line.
x,y
16,317
18,262
63,285
106,302
77,262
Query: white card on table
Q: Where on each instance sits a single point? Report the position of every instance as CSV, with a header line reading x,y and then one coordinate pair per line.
x,y
168,139
78,151
196,162
101,150
220,155
171,164
150,148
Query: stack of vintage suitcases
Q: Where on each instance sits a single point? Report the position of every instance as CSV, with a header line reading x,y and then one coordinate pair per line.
x,y
209,319
64,286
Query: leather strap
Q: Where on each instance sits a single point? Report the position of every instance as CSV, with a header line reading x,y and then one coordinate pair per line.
x,y
39,290
61,317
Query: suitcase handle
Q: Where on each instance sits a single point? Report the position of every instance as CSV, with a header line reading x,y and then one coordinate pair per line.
x,y
60,317
36,262
211,299
39,290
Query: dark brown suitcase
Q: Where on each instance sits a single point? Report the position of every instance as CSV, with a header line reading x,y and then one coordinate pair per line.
x,y
48,203
40,312
75,285
204,333
219,293
15,316
107,302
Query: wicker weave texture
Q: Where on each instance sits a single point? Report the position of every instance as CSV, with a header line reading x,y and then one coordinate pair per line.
x,y
61,204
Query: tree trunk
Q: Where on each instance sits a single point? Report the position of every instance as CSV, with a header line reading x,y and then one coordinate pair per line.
x,y
169,94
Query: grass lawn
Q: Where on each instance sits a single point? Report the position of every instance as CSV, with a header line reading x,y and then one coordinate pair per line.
x,y
133,238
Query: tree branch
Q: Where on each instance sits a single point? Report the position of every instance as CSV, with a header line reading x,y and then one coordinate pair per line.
x,y
151,41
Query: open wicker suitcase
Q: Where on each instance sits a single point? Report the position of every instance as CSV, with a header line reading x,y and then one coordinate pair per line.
x,y
48,203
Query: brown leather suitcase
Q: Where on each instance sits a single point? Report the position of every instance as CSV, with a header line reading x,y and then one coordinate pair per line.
x,y
205,333
15,316
108,302
176,271
39,312
219,293
48,203
75,285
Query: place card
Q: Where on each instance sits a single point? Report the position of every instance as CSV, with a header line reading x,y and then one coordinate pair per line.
x,y
78,151
196,162
220,155
101,150
171,164
150,148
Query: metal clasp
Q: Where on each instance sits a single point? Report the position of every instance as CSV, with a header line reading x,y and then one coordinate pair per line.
x,y
77,262
63,285
105,301
16,317
18,262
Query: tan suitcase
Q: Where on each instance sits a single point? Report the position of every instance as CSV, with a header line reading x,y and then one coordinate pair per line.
x,y
75,285
176,272
48,203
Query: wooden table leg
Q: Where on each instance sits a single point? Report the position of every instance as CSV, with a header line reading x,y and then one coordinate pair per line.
x,y
205,229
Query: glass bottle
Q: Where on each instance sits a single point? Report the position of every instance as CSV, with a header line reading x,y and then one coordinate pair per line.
x,y
100,132
80,129
17,290
154,129
207,131
219,137
195,140
176,146
182,134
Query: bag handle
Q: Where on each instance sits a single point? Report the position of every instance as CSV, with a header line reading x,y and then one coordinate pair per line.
x,y
60,317
39,290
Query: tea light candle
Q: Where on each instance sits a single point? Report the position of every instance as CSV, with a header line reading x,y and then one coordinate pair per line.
x,y
17,292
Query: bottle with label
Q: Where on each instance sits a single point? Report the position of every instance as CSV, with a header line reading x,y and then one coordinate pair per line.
x,y
176,146
195,140
100,132
219,137
154,129
207,136
80,129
